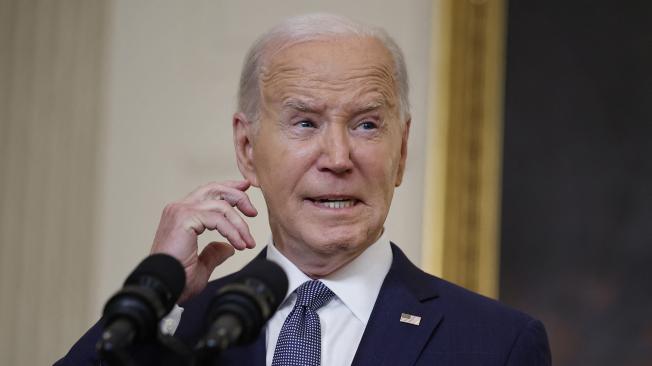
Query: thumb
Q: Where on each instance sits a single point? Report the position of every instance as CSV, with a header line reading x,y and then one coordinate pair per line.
x,y
214,254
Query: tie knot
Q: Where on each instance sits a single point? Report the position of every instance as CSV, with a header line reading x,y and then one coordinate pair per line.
x,y
313,294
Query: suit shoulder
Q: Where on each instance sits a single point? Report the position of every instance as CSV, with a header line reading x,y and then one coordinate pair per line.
x,y
467,316
475,322
476,307
454,300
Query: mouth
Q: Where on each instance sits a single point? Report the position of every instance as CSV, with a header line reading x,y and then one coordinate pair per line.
x,y
335,203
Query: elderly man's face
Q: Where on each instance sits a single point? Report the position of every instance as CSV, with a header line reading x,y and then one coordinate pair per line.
x,y
330,147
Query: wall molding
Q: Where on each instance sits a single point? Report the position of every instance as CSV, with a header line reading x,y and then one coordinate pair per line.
x,y
465,127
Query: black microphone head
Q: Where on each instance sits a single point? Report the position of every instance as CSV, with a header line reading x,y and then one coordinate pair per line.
x,y
165,268
252,296
148,294
269,273
133,313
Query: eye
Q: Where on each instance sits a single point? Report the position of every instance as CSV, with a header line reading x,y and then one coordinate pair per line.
x,y
305,124
368,125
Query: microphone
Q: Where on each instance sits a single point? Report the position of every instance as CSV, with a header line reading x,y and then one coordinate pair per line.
x,y
241,308
133,313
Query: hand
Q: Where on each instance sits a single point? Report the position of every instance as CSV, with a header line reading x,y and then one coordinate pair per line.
x,y
209,207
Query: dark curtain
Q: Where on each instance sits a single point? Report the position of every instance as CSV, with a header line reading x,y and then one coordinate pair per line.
x,y
576,246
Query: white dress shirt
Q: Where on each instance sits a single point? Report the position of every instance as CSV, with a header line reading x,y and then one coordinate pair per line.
x,y
344,318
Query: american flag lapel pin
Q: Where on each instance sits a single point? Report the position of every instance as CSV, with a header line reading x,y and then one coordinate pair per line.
x,y
410,319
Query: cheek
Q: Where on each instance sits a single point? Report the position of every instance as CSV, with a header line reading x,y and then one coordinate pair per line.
x,y
266,159
282,164
380,173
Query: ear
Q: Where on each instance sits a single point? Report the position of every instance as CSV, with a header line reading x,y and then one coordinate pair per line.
x,y
243,135
404,150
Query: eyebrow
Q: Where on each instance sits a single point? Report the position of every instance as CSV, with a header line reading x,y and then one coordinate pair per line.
x,y
300,105
371,106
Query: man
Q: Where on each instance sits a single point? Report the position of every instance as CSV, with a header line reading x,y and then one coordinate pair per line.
x,y
322,130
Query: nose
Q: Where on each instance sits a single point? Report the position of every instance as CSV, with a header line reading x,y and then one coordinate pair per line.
x,y
336,151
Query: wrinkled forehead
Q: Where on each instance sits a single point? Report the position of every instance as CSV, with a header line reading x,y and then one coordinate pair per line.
x,y
343,68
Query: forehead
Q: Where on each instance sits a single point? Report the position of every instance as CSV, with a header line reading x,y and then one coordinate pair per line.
x,y
355,69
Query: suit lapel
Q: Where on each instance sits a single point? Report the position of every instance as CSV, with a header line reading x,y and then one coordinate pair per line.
x,y
387,340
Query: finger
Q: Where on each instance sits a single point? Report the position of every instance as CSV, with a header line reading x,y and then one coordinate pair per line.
x,y
215,188
214,254
234,197
230,191
232,216
240,200
217,221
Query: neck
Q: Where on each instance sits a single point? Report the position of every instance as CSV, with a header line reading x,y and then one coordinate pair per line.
x,y
322,262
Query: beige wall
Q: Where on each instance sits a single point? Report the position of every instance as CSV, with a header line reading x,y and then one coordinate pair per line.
x,y
51,56
166,96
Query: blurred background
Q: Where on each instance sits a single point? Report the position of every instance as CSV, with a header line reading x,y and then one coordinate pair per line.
x,y
111,109
577,176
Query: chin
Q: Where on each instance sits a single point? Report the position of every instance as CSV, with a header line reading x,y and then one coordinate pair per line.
x,y
330,241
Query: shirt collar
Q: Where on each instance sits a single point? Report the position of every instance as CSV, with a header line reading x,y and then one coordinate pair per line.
x,y
357,284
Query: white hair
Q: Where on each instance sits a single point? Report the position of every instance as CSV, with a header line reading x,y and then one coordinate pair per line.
x,y
312,27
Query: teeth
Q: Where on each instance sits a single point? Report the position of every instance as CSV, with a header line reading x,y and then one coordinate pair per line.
x,y
336,203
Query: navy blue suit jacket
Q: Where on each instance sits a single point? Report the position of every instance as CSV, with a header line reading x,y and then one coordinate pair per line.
x,y
457,327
